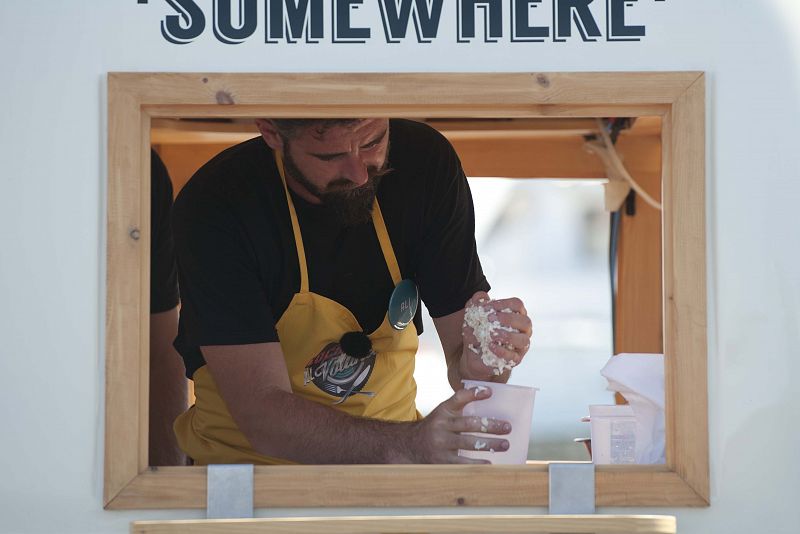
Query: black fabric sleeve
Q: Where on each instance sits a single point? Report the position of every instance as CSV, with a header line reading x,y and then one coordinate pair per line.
x,y
449,270
223,300
163,273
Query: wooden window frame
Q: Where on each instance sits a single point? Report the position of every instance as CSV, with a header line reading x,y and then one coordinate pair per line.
x,y
135,98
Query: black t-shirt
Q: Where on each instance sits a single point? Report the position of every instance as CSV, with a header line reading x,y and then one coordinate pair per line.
x,y
163,273
237,261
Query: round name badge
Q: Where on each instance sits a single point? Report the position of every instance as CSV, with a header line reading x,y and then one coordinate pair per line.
x,y
403,304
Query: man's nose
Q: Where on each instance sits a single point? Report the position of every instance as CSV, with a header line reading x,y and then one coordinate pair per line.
x,y
356,170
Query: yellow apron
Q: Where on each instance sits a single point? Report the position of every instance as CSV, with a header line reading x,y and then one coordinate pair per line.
x,y
380,386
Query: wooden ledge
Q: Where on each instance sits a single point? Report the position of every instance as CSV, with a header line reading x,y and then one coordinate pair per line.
x,y
531,524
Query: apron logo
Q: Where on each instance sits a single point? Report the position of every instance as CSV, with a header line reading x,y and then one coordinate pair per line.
x,y
339,374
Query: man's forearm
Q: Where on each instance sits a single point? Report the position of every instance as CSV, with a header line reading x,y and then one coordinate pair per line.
x,y
306,432
255,384
168,399
168,390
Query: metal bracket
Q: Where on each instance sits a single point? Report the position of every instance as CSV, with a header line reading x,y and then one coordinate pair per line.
x,y
571,488
230,491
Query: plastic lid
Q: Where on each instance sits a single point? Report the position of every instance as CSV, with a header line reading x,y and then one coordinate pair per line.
x,y
611,410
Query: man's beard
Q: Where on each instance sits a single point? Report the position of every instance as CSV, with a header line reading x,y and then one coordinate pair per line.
x,y
352,205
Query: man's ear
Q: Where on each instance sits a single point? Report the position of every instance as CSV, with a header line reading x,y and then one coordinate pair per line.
x,y
270,134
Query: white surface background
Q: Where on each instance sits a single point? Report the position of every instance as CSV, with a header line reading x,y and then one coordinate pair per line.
x,y
54,57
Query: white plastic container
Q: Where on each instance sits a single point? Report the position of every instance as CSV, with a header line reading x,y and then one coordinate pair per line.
x,y
507,403
613,434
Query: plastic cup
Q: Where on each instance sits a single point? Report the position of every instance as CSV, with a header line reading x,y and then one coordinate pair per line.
x,y
613,434
507,403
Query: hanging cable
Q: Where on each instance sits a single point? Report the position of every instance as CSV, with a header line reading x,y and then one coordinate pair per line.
x,y
615,126
615,169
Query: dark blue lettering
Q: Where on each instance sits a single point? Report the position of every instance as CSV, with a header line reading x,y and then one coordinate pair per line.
x,y
225,30
567,11
616,29
521,29
342,31
492,19
186,26
298,17
427,14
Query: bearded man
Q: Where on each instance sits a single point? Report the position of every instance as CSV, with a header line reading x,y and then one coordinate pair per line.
x,y
301,256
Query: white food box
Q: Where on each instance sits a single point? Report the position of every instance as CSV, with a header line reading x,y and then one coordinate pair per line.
x,y
613,434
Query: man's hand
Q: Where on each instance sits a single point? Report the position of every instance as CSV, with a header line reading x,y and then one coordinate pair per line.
x,y
439,434
510,339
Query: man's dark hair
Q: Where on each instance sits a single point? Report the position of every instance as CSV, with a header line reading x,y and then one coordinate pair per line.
x,y
291,128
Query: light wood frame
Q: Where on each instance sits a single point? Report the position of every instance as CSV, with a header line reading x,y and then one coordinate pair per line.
x,y
430,524
135,98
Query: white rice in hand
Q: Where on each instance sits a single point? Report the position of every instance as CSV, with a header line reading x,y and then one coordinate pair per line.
x,y
477,318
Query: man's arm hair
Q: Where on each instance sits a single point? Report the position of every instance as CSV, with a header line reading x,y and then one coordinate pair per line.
x,y
254,382
449,330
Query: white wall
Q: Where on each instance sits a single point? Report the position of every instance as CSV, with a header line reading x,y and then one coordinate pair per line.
x,y
54,57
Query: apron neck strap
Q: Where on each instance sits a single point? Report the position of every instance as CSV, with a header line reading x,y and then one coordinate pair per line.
x,y
377,221
386,243
298,238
